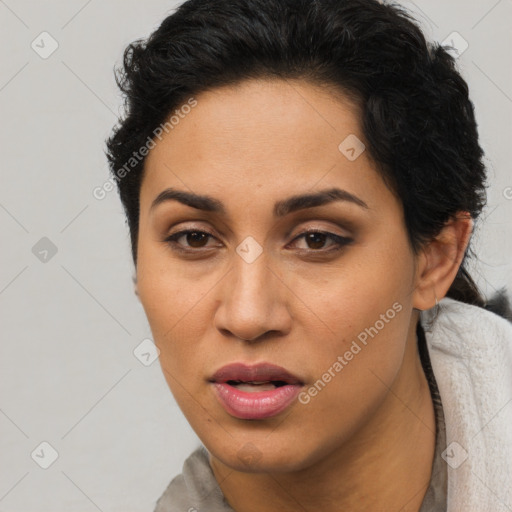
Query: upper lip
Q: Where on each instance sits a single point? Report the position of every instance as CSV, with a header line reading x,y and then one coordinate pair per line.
x,y
261,372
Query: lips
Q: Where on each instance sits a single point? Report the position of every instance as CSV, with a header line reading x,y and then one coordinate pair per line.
x,y
255,392
263,372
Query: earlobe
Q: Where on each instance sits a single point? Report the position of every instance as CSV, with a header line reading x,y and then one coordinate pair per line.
x,y
440,260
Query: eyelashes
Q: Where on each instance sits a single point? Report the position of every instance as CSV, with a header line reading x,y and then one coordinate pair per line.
x,y
316,237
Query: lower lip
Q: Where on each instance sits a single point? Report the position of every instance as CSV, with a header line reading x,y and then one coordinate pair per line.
x,y
257,405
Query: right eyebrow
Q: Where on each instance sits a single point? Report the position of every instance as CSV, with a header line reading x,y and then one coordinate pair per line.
x,y
199,202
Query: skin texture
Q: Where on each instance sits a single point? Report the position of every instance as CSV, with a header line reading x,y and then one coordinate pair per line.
x,y
366,441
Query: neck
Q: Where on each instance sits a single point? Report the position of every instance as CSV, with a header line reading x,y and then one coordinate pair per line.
x,y
385,466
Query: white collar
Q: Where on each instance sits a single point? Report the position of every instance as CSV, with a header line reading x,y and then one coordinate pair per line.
x,y
471,356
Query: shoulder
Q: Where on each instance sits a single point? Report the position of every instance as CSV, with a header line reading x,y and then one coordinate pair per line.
x,y
467,332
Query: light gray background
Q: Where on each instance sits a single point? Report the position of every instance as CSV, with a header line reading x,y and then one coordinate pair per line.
x,y
69,325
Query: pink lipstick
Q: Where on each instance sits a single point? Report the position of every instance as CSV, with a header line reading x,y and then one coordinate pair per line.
x,y
255,392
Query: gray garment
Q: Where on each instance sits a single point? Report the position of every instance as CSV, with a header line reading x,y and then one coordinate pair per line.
x,y
196,490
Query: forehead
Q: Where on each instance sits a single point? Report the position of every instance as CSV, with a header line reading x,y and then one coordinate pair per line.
x,y
260,137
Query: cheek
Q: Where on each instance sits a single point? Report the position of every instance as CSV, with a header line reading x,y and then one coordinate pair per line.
x,y
352,371
352,294
169,290
169,301
363,333
365,321
176,316
176,313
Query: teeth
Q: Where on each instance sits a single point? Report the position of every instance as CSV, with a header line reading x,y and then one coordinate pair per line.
x,y
255,387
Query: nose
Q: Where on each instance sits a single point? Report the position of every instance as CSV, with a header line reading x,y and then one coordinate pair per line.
x,y
254,301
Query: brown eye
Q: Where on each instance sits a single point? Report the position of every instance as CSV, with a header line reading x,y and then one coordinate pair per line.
x,y
194,239
316,240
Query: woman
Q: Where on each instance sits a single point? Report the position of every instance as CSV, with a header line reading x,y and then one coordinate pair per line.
x,y
301,180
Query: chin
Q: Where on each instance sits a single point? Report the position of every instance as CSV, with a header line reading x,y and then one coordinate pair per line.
x,y
258,454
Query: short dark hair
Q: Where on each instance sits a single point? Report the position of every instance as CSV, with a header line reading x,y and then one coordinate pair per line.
x,y
416,115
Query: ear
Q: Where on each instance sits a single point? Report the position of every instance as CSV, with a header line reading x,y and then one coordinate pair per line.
x,y
439,261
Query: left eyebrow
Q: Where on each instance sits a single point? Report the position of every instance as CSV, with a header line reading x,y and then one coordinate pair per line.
x,y
299,202
281,208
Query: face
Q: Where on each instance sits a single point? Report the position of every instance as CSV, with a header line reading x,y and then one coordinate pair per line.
x,y
309,297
